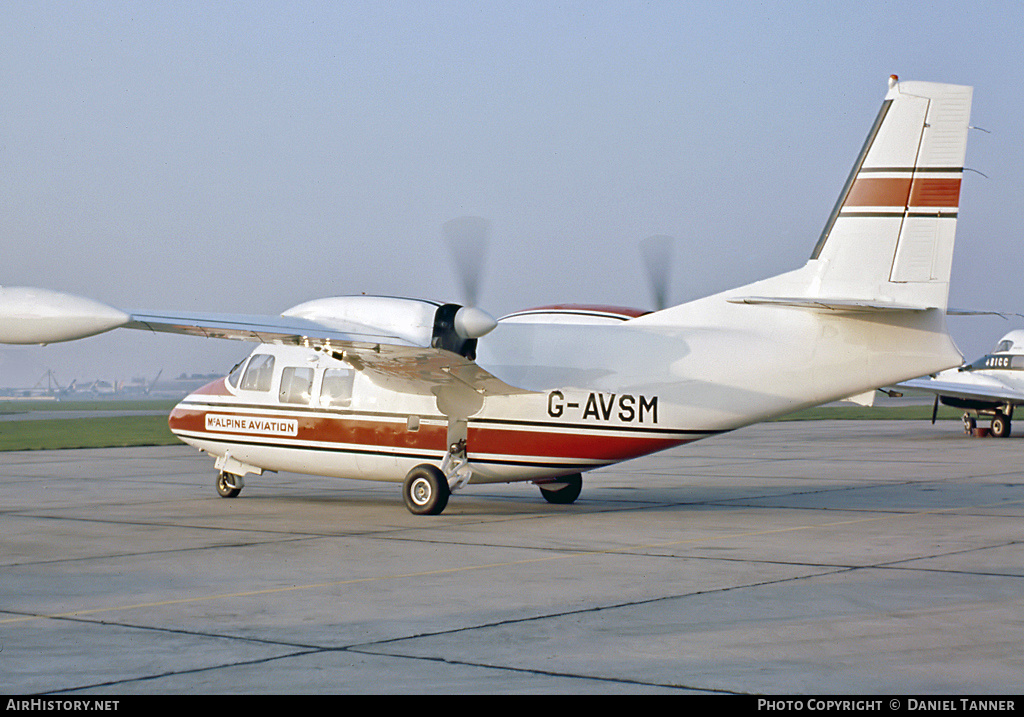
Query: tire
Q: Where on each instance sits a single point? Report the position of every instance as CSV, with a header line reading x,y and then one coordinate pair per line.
x,y
226,483
425,490
969,424
1001,426
567,492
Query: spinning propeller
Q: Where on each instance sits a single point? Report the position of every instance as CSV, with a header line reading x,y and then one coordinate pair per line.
x,y
467,239
657,254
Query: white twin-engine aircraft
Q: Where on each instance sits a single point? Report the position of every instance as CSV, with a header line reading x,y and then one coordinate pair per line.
x,y
440,396
990,386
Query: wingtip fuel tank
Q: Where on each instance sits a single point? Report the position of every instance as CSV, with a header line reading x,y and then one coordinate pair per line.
x,y
41,316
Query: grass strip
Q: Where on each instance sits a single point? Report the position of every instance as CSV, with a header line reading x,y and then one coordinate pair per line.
x,y
13,407
105,432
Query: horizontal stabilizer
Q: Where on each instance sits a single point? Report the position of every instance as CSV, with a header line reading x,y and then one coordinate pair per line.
x,y
979,312
825,304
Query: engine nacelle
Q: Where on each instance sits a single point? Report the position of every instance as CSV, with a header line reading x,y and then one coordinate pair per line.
x,y
414,321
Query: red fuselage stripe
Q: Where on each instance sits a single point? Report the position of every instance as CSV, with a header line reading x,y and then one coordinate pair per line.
x,y
549,442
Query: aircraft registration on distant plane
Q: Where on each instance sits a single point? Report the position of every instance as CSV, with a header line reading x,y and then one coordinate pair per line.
x,y
438,396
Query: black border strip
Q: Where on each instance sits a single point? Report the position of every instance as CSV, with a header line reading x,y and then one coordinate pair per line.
x,y
899,215
914,170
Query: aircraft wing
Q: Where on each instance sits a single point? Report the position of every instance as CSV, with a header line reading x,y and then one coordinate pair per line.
x,y
394,340
259,328
401,359
988,389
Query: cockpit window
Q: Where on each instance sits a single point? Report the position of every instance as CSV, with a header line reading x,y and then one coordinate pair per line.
x,y
337,387
235,374
296,385
258,373
1004,345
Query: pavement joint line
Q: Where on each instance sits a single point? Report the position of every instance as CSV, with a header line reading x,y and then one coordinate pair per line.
x,y
487,566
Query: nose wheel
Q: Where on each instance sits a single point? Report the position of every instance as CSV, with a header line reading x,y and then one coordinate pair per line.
x,y
969,424
229,485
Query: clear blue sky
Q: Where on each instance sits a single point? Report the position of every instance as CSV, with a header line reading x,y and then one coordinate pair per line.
x,y
248,156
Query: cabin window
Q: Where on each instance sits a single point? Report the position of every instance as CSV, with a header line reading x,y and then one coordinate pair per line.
x,y
296,385
337,387
258,373
1004,346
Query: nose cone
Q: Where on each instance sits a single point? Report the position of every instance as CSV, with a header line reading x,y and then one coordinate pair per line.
x,y
472,323
188,417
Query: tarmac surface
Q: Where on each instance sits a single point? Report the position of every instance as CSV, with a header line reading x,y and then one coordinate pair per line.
x,y
825,557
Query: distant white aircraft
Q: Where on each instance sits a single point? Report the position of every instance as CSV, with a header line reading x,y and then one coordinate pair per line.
x,y
990,386
437,396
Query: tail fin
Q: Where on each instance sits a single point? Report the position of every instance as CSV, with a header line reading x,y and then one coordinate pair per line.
x,y
890,236
868,308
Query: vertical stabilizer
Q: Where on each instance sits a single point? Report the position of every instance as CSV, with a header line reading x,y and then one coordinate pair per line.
x,y
890,236
868,308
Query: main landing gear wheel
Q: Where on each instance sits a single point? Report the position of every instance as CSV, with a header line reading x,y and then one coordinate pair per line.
x,y
228,485
563,491
969,424
425,490
1001,425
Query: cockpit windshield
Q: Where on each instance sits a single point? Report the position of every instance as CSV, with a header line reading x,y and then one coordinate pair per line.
x,y
258,373
235,373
